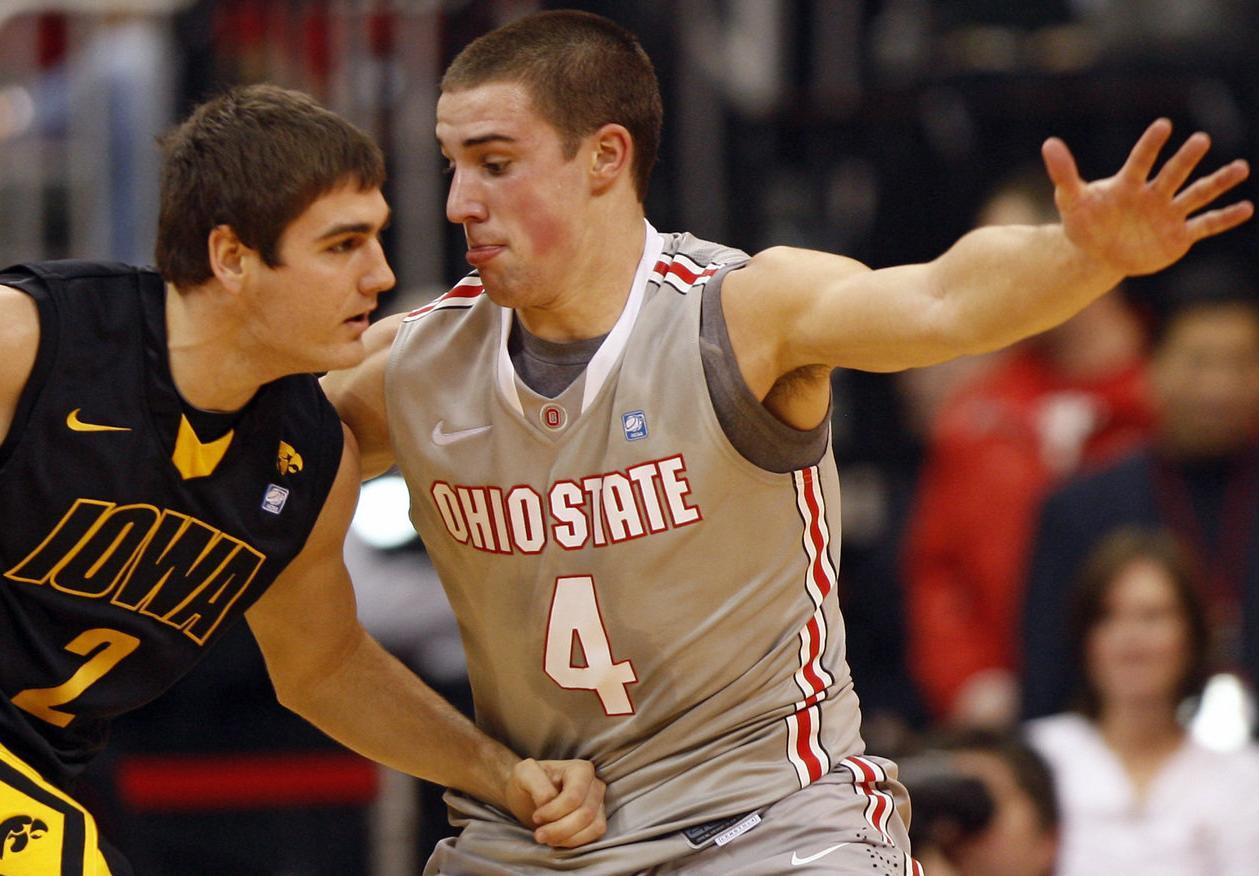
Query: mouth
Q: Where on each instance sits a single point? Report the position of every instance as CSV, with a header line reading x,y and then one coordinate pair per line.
x,y
360,321
480,254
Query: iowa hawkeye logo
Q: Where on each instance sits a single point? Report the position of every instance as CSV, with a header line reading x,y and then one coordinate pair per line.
x,y
160,563
21,829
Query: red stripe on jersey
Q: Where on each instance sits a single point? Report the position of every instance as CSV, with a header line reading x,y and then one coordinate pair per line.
x,y
882,811
467,288
861,771
812,765
816,684
871,768
880,805
687,276
821,576
819,570
806,751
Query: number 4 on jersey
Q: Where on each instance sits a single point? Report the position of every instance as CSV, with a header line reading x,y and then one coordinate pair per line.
x,y
575,612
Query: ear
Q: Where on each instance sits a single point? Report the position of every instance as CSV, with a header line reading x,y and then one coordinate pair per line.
x,y
611,154
228,257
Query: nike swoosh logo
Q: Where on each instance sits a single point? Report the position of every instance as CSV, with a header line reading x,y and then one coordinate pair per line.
x,y
78,425
796,860
441,438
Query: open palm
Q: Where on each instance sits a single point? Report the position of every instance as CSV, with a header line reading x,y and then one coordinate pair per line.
x,y
1136,224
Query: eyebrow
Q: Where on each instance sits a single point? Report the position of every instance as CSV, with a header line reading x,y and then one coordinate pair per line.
x,y
353,228
486,138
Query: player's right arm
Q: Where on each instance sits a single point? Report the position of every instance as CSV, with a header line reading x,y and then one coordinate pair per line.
x,y
328,669
19,339
358,394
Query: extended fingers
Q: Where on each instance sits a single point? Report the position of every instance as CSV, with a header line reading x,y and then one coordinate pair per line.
x,y
1216,221
1177,169
1143,155
1210,187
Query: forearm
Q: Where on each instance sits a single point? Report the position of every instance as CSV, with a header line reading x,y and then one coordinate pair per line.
x,y
999,284
376,706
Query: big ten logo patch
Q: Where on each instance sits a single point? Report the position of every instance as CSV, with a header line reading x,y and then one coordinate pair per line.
x,y
635,425
274,498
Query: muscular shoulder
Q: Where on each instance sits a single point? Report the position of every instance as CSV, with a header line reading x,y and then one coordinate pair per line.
x,y
358,394
351,387
19,338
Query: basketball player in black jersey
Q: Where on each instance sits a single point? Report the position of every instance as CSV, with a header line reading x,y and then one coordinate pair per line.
x,y
168,465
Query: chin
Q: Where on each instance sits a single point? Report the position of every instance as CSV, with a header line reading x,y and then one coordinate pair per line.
x,y
336,359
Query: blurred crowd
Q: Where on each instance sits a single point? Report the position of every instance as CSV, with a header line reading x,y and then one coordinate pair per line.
x,y
1050,576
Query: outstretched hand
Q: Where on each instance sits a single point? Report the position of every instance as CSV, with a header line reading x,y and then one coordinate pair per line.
x,y
560,800
1136,224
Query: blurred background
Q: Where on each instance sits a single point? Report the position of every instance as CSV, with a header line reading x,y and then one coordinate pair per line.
x,y
976,494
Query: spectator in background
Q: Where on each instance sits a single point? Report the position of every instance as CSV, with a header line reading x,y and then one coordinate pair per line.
x,y
984,805
1071,396
1199,478
1138,794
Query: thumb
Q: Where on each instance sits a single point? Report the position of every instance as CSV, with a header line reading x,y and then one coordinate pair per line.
x,y
1063,173
535,782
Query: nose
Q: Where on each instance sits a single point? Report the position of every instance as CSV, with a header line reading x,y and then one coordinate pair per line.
x,y
463,201
379,276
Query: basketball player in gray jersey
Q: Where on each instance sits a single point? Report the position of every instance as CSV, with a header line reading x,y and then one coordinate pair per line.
x,y
617,450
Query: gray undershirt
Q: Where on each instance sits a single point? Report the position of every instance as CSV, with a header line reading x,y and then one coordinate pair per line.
x,y
549,368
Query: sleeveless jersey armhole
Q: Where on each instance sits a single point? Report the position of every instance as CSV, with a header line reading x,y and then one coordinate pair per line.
x,y
331,446
759,437
44,355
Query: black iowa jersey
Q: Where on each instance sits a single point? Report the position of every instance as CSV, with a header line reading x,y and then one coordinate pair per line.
x,y
128,544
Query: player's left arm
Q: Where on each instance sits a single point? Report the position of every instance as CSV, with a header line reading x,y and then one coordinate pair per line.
x,y
326,668
789,309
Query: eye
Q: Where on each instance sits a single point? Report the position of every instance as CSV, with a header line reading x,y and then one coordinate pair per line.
x,y
344,245
495,168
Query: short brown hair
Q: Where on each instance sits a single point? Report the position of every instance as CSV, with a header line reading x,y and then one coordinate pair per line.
x,y
253,158
582,71
1031,772
1115,553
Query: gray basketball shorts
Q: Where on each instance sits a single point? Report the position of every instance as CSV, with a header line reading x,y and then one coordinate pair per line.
x,y
847,822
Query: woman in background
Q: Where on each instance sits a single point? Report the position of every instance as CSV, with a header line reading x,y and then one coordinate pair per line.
x,y
1137,793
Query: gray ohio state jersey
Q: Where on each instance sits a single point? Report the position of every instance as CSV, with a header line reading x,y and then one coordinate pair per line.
x,y
630,589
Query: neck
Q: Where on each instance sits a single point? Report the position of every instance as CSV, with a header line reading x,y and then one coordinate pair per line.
x,y
596,284
207,364
1141,727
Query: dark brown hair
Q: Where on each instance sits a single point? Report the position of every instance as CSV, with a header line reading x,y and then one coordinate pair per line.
x,y
1031,773
581,71
253,158
1101,569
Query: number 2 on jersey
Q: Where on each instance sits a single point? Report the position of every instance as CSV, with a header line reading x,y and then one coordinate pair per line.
x,y
575,613
41,701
